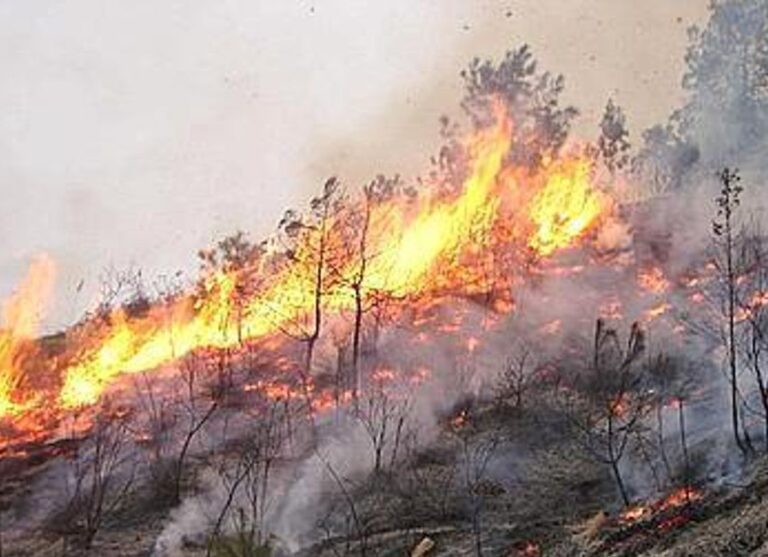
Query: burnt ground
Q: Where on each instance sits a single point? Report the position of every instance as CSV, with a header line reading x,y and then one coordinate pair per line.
x,y
546,499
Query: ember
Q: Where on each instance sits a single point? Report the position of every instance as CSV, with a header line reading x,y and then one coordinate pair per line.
x,y
526,548
681,497
460,420
653,280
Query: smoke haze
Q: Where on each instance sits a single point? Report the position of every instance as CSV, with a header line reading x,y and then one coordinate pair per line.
x,y
140,132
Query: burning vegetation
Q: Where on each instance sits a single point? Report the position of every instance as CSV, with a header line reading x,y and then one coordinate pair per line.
x,y
479,361
390,246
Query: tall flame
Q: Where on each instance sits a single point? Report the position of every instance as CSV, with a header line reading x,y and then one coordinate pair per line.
x,y
564,207
21,315
409,241
422,246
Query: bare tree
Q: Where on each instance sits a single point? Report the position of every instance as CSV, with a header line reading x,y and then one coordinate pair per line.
x,y
753,299
168,290
246,480
310,246
517,376
365,296
241,260
608,408
100,476
664,378
122,289
197,407
726,241
383,416
684,446
430,480
154,429
476,451
355,520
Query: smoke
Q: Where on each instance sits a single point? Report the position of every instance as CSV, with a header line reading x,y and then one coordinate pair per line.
x,y
724,120
191,521
186,120
338,452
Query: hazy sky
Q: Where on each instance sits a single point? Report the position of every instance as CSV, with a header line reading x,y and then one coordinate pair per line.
x,y
141,131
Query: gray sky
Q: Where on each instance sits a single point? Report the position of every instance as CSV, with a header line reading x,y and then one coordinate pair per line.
x,y
141,131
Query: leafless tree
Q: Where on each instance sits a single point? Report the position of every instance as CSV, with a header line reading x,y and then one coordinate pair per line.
x,y
310,249
664,377
100,475
671,381
122,289
355,521
517,376
246,480
167,291
154,429
611,399
476,451
725,240
242,261
357,283
430,480
310,245
383,415
752,310
684,445
375,194
197,406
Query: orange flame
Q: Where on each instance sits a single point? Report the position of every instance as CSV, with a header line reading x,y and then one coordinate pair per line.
x,y
678,498
565,207
653,280
21,315
424,246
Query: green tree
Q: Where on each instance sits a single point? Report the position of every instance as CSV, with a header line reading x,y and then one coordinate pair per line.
x,y
531,97
613,144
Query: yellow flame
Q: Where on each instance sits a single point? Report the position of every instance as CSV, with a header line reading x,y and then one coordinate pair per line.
x,y
419,244
21,315
565,207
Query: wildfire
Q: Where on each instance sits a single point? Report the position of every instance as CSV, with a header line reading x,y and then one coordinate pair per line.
x,y
678,498
526,548
460,420
425,246
657,311
472,344
565,206
653,280
552,327
611,309
620,406
21,315
751,308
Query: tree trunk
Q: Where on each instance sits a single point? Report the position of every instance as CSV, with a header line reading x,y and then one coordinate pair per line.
x,y
762,388
731,281
660,437
356,333
684,446
614,458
